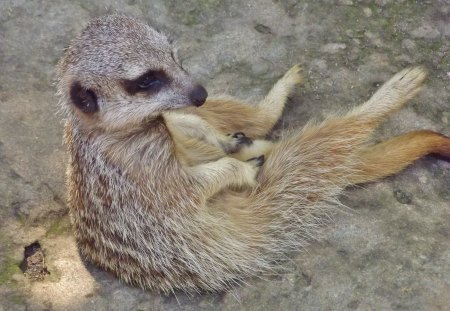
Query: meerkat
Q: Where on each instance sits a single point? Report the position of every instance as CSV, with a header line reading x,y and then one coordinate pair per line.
x,y
169,189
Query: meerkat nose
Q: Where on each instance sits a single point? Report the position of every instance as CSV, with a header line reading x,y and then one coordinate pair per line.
x,y
198,95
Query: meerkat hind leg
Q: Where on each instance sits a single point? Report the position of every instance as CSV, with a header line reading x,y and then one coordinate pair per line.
x,y
274,102
361,121
230,115
335,143
391,96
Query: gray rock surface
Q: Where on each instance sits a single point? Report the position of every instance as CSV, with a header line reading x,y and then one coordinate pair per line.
x,y
390,251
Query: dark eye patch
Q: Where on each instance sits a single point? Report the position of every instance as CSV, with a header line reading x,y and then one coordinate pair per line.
x,y
84,99
150,82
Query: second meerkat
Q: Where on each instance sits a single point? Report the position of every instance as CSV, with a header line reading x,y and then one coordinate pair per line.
x,y
169,196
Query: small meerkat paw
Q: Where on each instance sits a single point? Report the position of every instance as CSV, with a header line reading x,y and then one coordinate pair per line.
x,y
408,80
403,85
257,148
257,161
253,166
236,142
242,139
393,94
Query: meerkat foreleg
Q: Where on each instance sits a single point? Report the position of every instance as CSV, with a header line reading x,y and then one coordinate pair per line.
x,y
225,172
184,126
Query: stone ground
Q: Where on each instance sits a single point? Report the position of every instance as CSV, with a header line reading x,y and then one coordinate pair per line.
x,y
390,252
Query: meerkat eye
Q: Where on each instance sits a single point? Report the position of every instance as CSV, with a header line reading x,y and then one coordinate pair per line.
x,y
84,99
151,81
148,81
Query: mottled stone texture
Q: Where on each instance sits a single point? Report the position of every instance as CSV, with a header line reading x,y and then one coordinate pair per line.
x,y
390,251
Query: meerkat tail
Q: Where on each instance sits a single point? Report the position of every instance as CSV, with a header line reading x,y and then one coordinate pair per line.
x,y
392,95
395,154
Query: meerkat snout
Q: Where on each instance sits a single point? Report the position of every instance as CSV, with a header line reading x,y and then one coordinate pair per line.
x,y
198,95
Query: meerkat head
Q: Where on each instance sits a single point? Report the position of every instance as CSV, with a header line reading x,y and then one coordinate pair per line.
x,y
119,71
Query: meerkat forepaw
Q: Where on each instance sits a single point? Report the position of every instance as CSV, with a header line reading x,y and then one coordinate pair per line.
x,y
257,161
253,166
241,139
237,141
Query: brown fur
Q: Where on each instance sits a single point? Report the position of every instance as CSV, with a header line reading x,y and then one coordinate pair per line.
x,y
162,197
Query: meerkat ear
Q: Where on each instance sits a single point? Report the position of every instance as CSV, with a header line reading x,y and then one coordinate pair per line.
x,y
84,99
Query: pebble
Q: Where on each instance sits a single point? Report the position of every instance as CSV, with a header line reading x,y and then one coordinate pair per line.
x,y
345,2
373,38
367,12
425,32
383,2
409,45
319,64
333,48
423,179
